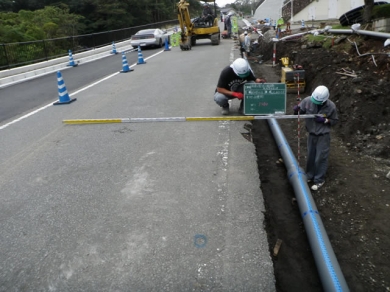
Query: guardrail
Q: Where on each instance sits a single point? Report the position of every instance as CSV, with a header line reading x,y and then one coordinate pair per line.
x,y
20,54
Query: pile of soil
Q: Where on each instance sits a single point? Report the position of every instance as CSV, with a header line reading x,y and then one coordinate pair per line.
x,y
354,203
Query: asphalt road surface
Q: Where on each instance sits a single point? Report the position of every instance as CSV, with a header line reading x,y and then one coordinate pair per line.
x,y
160,206
21,98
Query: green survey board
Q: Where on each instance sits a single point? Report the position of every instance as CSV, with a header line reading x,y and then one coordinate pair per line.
x,y
264,98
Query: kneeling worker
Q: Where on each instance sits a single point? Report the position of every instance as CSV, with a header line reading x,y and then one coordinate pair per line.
x,y
231,83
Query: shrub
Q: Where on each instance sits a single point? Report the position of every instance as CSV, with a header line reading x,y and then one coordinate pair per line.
x,y
381,11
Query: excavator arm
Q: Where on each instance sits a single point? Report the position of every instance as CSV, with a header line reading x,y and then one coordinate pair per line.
x,y
191,32
186,25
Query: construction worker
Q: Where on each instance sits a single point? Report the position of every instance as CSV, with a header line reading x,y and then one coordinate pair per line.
x,y
231,83
288,27
318,142
247,43
208,15
228,23
279,25
242,43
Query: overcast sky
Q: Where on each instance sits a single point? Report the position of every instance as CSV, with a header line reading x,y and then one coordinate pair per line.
x,y
222,3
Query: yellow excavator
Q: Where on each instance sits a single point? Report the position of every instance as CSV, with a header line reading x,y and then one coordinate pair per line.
x,y
197,28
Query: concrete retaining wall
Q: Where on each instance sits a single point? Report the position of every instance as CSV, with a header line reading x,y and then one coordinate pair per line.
x,y
382,25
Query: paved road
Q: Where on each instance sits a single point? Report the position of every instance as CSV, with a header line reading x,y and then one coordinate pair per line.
x,y
170,206
20,98
269,9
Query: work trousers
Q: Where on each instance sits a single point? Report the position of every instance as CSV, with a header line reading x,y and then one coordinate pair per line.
x,y
317,157
229,30
221,99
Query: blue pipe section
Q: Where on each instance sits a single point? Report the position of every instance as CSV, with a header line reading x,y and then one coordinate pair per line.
x,y
332,278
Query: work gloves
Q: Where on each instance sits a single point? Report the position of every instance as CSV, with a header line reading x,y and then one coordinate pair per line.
x,y
296,109
320,119
238,95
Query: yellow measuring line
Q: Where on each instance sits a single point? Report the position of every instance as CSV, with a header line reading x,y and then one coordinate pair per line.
x,y
92,121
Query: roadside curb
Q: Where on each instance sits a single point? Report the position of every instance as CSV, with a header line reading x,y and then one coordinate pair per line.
x,y
20,74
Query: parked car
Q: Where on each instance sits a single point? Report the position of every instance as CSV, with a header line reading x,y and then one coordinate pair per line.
x,y
149,37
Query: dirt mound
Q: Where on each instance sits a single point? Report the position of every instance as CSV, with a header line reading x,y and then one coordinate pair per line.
x,y
354,203
357,73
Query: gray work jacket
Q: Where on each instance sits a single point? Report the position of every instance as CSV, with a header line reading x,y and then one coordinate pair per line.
x,y
328,109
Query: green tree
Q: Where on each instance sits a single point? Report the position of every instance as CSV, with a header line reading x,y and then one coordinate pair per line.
x,y
6,5
50,29
36,19
49,22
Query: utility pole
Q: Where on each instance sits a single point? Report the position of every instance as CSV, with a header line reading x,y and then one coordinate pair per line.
x,y
292,13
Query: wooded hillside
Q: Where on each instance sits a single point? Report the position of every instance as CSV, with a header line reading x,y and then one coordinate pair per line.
x,y
28,20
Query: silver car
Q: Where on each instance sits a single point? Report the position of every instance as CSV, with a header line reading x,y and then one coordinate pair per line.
x,y
149,37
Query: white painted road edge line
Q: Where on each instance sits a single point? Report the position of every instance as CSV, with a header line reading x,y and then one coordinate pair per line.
x,y
61,68
74,93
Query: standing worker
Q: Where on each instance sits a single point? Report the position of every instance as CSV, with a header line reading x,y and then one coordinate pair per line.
x,y
247,43
231,83
228,23
242,44
318,142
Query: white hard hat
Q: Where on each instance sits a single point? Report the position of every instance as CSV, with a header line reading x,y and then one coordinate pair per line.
x,y
355,27
320,95
241,67
230,13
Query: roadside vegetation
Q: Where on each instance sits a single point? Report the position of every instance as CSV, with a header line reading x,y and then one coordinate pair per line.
x,y
22,21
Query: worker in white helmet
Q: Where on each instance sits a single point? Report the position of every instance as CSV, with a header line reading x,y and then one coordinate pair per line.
x,y
247,43
228,23
241,39
318,143
231,83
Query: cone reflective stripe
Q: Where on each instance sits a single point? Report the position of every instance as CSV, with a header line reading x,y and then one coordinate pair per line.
x,y
125,65
71,61
63,96
62,91
114,49
167,45
140,57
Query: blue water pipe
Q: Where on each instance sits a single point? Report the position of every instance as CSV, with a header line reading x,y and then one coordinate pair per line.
x,y
332,278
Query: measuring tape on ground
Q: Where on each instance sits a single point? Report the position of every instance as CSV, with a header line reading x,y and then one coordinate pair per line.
x,y
183,119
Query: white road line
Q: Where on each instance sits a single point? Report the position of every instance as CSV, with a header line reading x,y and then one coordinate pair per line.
x,y
74,93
